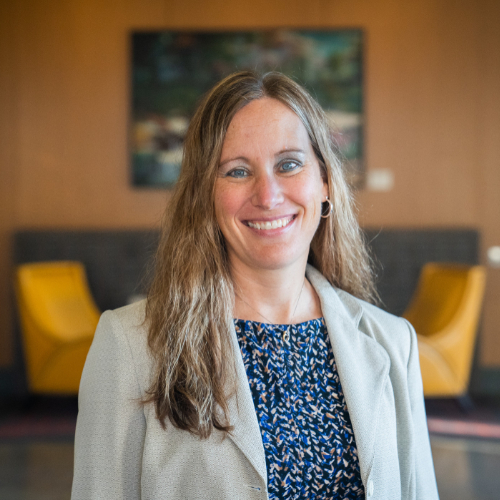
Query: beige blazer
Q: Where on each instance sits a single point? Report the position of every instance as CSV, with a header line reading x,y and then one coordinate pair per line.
x,y
122,453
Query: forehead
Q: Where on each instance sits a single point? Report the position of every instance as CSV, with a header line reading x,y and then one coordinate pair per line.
x,y
267,123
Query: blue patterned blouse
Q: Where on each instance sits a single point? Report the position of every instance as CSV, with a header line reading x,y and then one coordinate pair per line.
x,y
306,430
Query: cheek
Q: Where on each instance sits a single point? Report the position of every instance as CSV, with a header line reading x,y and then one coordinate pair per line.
x,y
312,197
227,203
317,210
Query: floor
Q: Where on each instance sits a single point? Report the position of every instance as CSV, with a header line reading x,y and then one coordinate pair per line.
x,y
41,470
466,469
35,466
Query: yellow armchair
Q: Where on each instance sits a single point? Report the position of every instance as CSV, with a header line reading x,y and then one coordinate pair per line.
x,y
445,313
58,318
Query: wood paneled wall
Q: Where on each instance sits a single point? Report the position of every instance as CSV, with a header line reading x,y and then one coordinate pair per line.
x,y
432,108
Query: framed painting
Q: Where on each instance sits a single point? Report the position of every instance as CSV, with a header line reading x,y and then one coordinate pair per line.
x,y
171,70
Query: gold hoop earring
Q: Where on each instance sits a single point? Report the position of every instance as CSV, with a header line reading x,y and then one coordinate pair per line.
x,y
330,210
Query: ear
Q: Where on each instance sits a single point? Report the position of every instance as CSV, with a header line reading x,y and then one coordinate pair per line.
x,y
324,191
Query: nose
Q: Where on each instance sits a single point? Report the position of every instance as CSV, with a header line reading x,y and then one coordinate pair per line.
x,y
268,192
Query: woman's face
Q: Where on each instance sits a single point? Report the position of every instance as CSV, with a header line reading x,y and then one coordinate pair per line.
x,y
269,188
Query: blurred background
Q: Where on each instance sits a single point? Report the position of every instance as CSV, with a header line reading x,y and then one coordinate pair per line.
x,y
431,153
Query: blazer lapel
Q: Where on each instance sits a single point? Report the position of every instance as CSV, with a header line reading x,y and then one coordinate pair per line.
x,y
242,415
363,367
362,364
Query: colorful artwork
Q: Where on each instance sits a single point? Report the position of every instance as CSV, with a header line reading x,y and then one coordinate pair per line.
x,y
171,70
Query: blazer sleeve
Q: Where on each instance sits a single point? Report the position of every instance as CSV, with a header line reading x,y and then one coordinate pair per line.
x,y
111,425
424,478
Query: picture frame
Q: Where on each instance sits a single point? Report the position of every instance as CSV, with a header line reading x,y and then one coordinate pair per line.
x,y
172,69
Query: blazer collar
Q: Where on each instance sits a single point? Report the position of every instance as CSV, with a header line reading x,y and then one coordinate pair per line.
x,y
362,364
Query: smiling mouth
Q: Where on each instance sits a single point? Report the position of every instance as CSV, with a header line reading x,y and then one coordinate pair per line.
x,y
274,224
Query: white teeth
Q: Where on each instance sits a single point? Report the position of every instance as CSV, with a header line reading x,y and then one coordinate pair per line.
x,y
271,225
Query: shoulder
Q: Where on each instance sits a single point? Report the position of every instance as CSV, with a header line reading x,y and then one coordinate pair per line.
x,y
124,325
373,317
130,319
121,337
391,332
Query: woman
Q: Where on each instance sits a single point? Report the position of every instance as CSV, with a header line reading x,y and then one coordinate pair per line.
x,y
255,369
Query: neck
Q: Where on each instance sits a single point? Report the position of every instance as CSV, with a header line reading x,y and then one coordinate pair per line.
x,y
279,296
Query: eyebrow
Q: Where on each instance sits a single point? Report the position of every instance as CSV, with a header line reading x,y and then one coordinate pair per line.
x,y
244,158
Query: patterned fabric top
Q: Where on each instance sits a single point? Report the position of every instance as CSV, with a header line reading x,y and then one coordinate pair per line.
x,y
306,430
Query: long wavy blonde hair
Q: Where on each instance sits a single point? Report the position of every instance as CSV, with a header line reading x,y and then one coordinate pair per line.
x,y
190,302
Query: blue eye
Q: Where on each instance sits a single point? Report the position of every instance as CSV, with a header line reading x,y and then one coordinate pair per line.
x,y
288,166
237,173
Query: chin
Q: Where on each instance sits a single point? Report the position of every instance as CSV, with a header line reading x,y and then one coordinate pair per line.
x,y
272,262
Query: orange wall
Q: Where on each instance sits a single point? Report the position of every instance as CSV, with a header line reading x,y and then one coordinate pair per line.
x,y
7,178
432,108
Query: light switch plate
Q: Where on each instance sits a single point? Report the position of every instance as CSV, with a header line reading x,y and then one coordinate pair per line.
x,y
379,179
494,256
